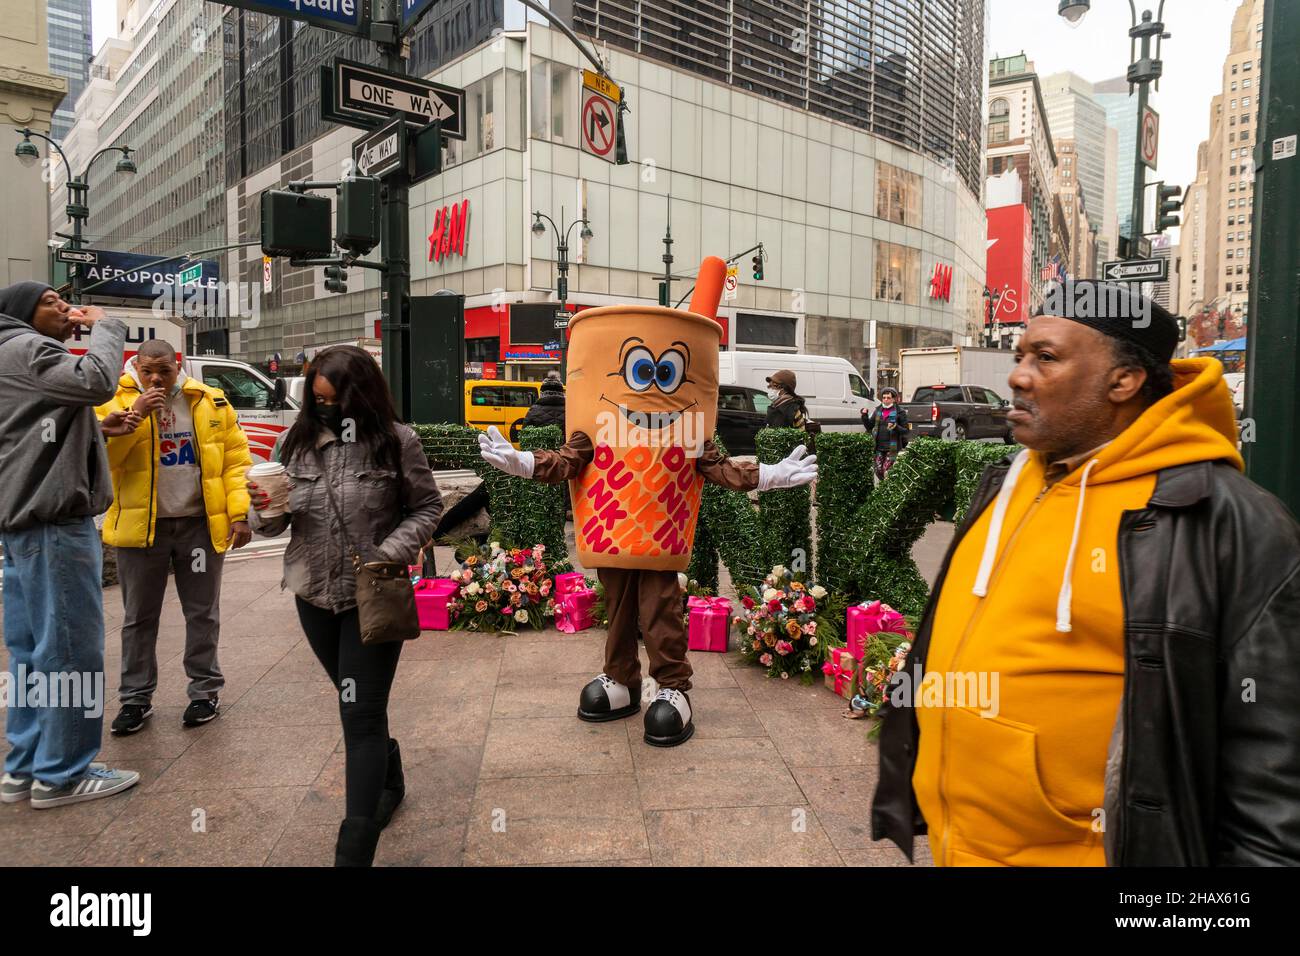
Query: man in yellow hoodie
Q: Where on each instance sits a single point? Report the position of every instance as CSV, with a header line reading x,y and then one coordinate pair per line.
x,y
179,502
1132,600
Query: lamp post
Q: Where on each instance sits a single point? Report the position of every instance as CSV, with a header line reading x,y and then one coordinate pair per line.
x,y
1142,71
78,189
562,268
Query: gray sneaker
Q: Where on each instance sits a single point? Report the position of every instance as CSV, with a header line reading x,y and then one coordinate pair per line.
x,y
14,789
98,782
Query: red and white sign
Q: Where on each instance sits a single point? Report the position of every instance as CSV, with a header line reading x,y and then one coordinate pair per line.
x,y
729,286
450,227
597,124
941,282
1150,137
1008,265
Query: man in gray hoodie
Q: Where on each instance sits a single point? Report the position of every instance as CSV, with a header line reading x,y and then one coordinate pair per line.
x,y
55,480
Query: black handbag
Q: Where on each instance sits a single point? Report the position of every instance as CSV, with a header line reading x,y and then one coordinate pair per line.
x,y
385,598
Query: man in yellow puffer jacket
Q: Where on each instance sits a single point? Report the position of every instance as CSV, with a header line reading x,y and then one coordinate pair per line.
x,y
179,501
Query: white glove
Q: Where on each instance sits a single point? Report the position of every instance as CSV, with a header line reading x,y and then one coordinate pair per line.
x,y
499,453
791,472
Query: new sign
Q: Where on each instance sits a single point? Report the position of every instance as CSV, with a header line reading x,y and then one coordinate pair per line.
x,y
132,276
450,226
345,16
363,94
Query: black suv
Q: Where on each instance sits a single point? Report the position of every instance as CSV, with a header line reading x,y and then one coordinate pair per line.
x,y
742,412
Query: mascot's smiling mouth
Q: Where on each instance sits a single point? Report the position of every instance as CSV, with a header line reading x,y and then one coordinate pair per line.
x,y
649,420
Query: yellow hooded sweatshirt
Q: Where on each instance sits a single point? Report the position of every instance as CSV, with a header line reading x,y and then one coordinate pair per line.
x,y
1032,599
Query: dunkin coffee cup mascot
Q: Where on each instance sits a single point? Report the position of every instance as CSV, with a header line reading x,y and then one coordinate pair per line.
x,y
641,409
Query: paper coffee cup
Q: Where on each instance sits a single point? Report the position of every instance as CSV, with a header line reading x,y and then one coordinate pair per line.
x,y
271,478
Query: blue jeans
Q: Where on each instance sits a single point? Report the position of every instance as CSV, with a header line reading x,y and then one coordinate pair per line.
x,y
54,627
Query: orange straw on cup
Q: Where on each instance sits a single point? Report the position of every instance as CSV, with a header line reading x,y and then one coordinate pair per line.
x,y
708,287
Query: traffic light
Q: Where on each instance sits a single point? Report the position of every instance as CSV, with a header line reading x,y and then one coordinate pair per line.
x,y
358,215
663,293
336,279
1167,210
758,266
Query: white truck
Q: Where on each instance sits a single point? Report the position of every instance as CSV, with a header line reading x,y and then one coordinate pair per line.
x,y
954,365
261,403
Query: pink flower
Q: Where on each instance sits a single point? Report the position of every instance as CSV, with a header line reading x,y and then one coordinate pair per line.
x,y
520,557
766,660
784,647
774,605
809,603
544,588
810,627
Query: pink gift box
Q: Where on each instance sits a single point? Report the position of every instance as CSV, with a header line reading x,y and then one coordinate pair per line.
x,y
432,595
569,582
573,611
870,618
710,619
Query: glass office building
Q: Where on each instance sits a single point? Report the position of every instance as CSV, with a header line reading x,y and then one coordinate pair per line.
x,y
69,40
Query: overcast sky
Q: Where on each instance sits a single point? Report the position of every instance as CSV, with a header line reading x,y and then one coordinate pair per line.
x,y
1097,49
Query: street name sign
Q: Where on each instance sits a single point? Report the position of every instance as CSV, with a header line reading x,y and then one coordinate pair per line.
x,y
412,10
561,320
366,94
88,256
345,16
1136,270
191,273
381,152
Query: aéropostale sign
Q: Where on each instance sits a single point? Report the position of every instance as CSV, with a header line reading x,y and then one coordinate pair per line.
x,y
128,275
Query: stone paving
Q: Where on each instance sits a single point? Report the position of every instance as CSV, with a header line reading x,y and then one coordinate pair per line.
x,y
499,770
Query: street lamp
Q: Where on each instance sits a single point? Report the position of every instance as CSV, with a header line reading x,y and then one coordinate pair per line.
x,y
562,267
78,188
1073,10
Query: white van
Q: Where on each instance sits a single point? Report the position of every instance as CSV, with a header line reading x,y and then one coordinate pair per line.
x,y
261,404
833,389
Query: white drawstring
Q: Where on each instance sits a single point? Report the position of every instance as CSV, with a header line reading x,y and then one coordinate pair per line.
x,y
981,588
1063,599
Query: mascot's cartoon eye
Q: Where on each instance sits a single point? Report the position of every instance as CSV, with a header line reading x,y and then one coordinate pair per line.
x,y
670,371
639,369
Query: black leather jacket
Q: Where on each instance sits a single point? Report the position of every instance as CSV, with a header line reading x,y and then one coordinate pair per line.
x,y
1204,766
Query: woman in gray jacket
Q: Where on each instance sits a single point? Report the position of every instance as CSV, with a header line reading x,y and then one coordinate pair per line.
x,y
348,436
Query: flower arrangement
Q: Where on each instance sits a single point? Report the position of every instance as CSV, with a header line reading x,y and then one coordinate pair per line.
x,y
787,626
502,590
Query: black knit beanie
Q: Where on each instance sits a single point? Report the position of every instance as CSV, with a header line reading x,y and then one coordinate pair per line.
x,y
1114,310
20,299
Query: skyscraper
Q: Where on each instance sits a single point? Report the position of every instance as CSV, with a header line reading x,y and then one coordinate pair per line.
x,y
1073,113
69,38
1121,115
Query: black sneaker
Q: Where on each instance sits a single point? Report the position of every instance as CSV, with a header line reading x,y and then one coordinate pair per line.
x,y
200,712
130,719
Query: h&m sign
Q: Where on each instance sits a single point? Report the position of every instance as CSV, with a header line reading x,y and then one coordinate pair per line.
x,y
941,282
450,227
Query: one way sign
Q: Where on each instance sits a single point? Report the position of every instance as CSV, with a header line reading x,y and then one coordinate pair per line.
x,y
1136,270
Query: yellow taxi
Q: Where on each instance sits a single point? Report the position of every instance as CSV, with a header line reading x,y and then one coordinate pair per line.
x,y
503,404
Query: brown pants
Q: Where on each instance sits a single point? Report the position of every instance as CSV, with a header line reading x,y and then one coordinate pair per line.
x,y
648,603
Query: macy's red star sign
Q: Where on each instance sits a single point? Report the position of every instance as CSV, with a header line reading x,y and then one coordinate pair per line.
x,y
450,225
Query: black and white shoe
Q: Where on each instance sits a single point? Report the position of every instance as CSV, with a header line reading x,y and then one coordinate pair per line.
x,y
606,699
200,712
668,720
130,719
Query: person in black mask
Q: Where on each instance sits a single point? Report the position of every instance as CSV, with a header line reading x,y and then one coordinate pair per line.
x,y
348,440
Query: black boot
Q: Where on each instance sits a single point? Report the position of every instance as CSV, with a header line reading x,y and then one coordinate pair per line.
x,y
394,786
358,837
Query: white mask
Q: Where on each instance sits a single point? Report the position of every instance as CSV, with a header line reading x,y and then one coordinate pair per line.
x,y
773,393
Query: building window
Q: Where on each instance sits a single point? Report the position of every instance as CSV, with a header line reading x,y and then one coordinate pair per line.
x,y
999,121
898,195
898,273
